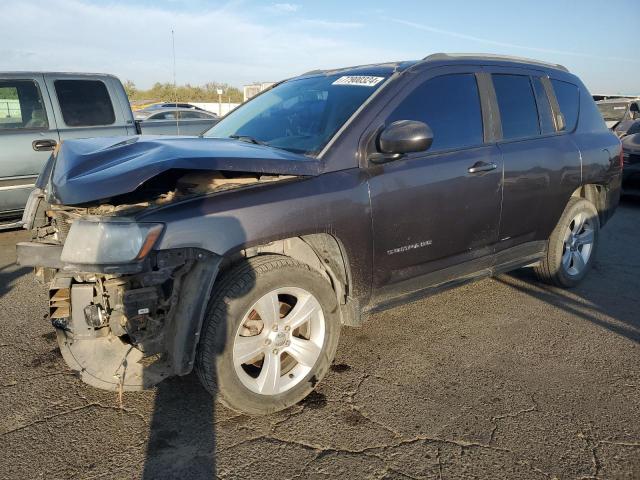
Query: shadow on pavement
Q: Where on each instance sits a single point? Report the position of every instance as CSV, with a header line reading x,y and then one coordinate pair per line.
x,y
182,440
600,298
592,307
182,434
8,275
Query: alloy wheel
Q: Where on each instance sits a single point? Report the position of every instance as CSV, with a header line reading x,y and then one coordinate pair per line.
x,y
578,244
279,340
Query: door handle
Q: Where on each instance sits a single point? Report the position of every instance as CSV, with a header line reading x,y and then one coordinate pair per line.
x,y
44,145
482,167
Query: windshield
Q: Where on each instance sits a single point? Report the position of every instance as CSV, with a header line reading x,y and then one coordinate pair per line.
x,y
612,111
299,115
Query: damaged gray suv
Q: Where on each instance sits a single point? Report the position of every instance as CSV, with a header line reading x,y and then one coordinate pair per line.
x,y
242,252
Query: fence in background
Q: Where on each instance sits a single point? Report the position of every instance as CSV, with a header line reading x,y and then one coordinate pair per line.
x,y
10,108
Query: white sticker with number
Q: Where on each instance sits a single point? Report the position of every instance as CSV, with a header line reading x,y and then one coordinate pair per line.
x,y
358,80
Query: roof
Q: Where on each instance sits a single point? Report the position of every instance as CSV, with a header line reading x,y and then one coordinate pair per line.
x,y
369,69
488,57
66,74
444,58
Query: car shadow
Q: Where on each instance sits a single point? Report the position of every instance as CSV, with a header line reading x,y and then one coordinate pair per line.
x,y
182,437
9,274
603,309
182,432
600,298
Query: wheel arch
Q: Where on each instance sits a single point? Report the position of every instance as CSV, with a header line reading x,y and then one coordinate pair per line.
x,y
597,194
322,252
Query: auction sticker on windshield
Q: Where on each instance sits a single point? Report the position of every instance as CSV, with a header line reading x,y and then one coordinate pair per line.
x,y
358,80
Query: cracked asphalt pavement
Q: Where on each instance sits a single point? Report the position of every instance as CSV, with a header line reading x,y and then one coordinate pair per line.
x,y
504,378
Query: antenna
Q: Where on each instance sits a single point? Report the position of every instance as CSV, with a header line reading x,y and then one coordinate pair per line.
x,y
175,89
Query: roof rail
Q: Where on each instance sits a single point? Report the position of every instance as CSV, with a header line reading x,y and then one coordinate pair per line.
x,y
490,56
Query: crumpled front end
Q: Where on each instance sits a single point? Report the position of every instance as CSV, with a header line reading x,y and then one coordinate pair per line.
x,y
121,326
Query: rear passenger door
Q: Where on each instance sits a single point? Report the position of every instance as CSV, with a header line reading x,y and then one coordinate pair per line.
x,y
27,136
433,217
86,107
541,163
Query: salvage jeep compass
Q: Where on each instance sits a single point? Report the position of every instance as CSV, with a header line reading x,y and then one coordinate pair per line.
x,y
240,253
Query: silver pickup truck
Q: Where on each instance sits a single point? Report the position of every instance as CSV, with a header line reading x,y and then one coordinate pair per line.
x,y
38,110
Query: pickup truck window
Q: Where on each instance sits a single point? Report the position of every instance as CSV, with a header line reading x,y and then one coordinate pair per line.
x,y
450,105
568,99
517,105
299,115
21,106
84,103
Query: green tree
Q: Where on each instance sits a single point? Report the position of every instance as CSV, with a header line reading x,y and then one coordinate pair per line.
x,y
130,88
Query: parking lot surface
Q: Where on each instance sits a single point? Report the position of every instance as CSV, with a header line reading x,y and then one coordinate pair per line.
x,y
504,378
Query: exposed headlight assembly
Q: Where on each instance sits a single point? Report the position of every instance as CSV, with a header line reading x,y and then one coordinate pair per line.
x,y
107,243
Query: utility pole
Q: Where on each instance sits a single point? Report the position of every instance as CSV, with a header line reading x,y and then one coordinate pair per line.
x,y
175,88
219,91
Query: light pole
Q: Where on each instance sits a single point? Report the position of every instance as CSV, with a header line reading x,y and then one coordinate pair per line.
x,y
219,90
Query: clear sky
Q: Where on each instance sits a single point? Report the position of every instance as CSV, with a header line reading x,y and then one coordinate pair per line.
x,y
240,42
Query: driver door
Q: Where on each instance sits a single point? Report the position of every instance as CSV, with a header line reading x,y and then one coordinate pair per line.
x,y
436,213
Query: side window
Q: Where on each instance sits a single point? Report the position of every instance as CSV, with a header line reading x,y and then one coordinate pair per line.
x,y
84,103
450,105
190,115
569,101
21,106
544,107
517,106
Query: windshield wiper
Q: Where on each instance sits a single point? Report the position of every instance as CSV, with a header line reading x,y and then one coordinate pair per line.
x,y
248,139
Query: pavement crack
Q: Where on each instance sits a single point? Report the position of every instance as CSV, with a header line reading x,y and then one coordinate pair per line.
x,y
517,413
439,458
75,410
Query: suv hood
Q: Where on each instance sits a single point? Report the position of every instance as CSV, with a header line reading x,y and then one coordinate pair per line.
x,y
84,171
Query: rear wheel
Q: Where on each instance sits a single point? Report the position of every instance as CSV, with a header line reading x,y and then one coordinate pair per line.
x,y
271,333
572,245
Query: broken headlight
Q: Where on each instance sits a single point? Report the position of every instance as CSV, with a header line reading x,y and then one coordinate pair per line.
x,y
109,242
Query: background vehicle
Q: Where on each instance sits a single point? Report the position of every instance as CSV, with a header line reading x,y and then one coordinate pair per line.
x,y
325,198
37,111
631,170
620,113
160,106
175,121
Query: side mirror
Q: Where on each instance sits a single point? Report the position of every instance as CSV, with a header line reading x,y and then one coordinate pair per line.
x,y
401,137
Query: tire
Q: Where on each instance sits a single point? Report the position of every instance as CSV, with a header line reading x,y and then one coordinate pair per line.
x,y
572,245
284,370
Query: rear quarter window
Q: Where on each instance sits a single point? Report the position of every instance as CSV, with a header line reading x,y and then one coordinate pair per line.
x,y
569,100
84,103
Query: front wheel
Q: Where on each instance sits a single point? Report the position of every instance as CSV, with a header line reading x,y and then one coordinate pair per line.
x,y
572,245
270,335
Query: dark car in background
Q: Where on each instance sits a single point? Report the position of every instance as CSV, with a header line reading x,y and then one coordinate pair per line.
x,y
175,121
631,172
332,195
620,114
160,106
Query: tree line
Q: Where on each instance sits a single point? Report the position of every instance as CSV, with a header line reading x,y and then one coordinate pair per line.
x,y
166,92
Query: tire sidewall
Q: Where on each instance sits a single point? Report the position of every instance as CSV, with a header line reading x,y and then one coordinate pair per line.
x,y
231,389
577,205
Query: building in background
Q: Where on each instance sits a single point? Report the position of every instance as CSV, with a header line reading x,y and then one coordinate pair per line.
x,y
254,89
